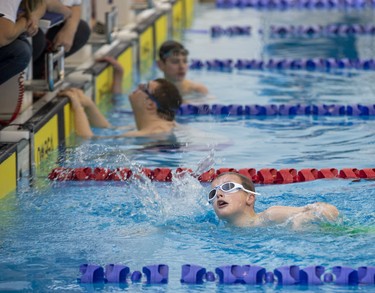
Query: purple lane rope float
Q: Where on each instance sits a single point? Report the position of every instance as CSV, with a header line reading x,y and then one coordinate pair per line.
x,y
295,4
329,30
278,110
320,30
289,275
310,64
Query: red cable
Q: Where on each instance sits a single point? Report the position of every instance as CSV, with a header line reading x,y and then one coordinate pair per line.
x,y
21,88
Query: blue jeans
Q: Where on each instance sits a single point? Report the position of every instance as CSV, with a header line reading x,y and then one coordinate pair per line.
x,y
14,58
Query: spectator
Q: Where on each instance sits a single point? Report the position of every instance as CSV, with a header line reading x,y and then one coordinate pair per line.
x,y
72,34
15,50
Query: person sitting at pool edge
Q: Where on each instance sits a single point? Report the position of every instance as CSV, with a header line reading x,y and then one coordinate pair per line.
x,y
174,64
154,105
233,200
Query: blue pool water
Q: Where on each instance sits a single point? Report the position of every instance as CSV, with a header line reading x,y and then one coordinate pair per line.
x,y
48,230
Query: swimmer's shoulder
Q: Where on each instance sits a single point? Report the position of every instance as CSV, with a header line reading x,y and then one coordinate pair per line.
x,y
192,87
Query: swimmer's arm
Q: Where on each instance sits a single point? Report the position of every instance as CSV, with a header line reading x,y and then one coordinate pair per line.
x,y
301,215
118,73
81,122
280,214
95,117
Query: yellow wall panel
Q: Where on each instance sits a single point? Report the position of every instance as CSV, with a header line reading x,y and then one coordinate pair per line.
x,y
103,85
161,27
8,175
46,140
126,60
189,12
146,47
68,120
177,19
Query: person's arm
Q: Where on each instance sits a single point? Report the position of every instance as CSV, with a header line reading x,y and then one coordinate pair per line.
x,y
94,115
34,18
10,30
57,7
65,36
81,122
301,215
118,73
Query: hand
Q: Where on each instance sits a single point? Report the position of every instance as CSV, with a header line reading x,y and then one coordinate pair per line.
x,y
32,27
63,38
72,95
117,67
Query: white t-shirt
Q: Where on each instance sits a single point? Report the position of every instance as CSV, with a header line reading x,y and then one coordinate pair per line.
x,y
70,2
9,8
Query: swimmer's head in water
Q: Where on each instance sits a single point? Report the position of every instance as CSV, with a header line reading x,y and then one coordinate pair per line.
x,y
171,48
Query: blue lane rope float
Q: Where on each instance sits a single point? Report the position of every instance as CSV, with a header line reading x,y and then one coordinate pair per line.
x,y
329,30
255,110
296,4
278,110
218,30
320,30
283,64
235,30
231,274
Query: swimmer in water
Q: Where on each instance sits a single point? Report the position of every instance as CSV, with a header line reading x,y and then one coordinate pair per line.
x,y
233,200
173,62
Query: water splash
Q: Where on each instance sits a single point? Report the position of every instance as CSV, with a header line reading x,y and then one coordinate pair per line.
x,y
206,163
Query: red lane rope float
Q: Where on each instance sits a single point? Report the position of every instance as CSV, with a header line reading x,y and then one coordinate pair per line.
x,y
262,176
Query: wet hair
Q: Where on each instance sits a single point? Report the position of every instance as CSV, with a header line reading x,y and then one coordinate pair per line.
x,y
29,6
168,99
245,181
169,48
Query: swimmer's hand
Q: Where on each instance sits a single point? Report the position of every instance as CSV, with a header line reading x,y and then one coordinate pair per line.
x,y
77,95
113,61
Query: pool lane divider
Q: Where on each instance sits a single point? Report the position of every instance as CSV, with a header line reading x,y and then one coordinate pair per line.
x,y
262,176
330,30
310,64
321,30
231,274
278,110
295,4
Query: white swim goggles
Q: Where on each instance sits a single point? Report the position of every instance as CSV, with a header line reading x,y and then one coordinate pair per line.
x,y
227,187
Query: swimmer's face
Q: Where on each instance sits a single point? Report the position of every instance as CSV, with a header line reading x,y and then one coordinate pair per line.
x,y
230,206
174,67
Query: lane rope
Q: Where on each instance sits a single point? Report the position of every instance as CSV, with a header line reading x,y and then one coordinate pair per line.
x,y
278,110
296,4
311,64
262,176
288,275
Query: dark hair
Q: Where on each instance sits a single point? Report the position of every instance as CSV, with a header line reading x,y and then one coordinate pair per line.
x,y
245,181
168,98
171,47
